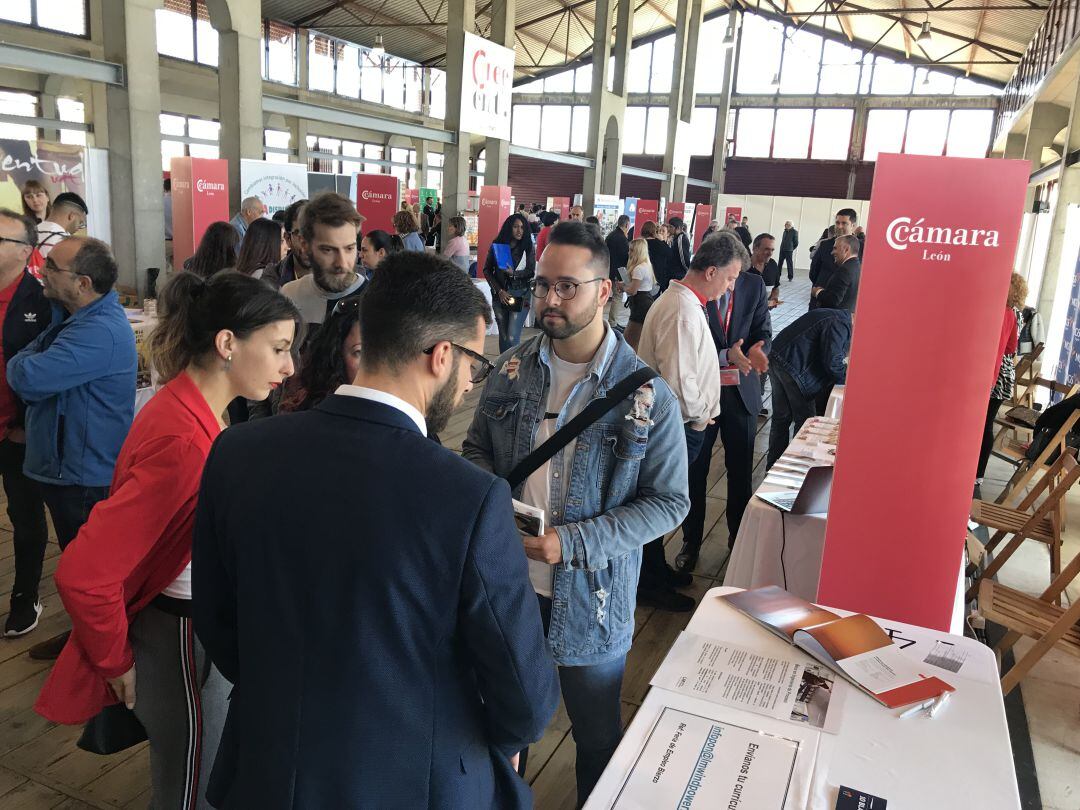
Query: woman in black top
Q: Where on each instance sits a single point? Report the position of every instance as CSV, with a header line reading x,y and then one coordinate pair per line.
x,y
509,285
660,255
263,247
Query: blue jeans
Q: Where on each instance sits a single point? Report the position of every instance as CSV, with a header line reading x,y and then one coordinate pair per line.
x,y
510,324
591,695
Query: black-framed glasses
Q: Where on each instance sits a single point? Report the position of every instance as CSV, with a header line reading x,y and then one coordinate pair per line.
x,y
14,241
564,289
53,267
479,366
349,304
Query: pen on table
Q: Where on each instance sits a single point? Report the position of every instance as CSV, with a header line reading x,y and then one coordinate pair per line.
x,y
938,703
918,707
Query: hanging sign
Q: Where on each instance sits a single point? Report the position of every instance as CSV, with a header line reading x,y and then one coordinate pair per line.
x,y
486,88
376,198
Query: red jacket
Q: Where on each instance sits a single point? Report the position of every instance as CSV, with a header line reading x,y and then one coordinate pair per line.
x,y
1008,341
135,543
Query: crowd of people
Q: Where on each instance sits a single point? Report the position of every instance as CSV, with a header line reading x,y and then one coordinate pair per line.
x,y
262,670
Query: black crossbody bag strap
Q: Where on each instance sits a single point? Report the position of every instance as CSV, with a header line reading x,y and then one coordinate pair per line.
x,y
572,429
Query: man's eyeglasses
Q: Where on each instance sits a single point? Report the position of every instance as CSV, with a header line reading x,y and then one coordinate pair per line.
x,y
479,366
14,241
564,289
53,267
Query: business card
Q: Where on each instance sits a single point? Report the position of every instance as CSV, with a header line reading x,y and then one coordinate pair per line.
x,y
851,799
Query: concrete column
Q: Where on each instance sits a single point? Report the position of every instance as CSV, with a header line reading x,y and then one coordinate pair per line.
x,y
1068,195
425,96
299,131
303,73
239,85
461,15
1014,145
49,110
858,139
134,139
421,147
1046,121
497,170
607,109
720,140
681,98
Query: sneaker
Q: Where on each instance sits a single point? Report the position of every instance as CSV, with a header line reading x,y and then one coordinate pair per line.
x,y
23,617
49,650
665,599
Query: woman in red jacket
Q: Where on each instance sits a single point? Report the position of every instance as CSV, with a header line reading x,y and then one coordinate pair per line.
x,y
1004,373
125,580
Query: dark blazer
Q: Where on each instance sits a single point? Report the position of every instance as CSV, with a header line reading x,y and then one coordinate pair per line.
x,y
28,315
378,622
842,288
813,348
661,258
750,321
680,253
618,252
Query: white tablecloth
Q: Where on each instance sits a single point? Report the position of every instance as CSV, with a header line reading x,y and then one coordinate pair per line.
x,y
482,286
961,758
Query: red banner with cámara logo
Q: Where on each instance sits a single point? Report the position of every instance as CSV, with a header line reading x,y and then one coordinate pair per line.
x,y
560,205
939,251
676,209
647,211
730,212
702,218
494,209
200,196
376,198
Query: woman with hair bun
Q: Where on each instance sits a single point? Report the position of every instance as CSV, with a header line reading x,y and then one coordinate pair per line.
x,y
125,580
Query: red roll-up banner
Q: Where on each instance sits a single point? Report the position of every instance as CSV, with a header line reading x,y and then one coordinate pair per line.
x,y
732,211
412,196
676,209
376,198
494,209
702,218
560,205
200,196
647,211
939,250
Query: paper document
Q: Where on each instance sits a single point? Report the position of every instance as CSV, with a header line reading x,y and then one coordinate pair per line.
x,y
788,687
529,519
692,762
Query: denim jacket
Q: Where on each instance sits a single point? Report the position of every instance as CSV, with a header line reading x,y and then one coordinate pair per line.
x,y
626,485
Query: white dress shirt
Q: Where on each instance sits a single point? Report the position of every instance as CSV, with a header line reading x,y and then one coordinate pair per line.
x,y
375,395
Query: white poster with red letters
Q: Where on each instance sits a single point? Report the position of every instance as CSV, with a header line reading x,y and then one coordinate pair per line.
x,y
486,88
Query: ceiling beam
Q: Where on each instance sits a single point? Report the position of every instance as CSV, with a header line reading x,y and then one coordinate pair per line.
x,y
845,23
907,34
978,33
848,11
660,10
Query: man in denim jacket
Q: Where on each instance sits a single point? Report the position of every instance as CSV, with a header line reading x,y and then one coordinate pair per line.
x,y
621,483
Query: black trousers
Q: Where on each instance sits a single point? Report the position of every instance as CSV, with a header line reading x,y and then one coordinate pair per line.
x,y
787,256
70,507
988,436
736,428
27,513
653,562
790,409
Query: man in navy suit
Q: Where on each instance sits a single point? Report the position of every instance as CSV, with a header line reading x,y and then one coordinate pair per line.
x,y
376,618
742,331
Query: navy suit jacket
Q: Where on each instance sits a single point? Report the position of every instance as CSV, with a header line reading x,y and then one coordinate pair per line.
x,y
751,322
841,291
375,617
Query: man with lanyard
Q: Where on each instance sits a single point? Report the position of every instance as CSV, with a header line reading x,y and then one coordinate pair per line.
x,y
742,331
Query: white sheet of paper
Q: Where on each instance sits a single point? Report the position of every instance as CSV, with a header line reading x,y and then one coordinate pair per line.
x,y
693,762
883,669
789,687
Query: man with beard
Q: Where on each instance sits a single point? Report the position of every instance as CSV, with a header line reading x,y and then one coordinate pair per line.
x,y
620,483
382,637
329,233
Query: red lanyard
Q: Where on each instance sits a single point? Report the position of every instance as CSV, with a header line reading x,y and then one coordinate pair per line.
x,y
730,307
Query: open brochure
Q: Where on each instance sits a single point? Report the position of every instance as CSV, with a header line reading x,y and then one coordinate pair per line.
x,y
529,519
855,646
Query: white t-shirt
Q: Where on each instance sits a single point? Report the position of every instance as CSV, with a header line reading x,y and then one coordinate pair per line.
x,y
644,273
50,235
537,491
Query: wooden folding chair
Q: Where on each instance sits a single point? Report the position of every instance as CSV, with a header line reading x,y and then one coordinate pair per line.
x,y
1024,390
1035,617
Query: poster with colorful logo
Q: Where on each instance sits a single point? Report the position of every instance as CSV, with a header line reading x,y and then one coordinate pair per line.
x,y
630,205
495,207
57,167
1068,366
486,88
200,196
376,198
433,193
607,208
278,185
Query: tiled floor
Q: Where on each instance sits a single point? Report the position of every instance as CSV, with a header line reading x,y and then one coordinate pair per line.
x,y
41,768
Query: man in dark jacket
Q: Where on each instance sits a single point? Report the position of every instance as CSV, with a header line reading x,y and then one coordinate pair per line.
x,y
383,654
618,245
680,248
841,291
823,264
743,230
294,265
807,357
24,313
789,243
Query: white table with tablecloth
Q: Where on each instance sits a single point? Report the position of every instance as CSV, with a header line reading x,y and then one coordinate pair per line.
x,y
482,285
960,758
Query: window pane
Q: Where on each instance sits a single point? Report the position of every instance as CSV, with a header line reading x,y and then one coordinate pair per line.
x,y
759,58
276,157
637,69
560,82
348,70
201,128
867,73
884,132
172,124
372,151
702,130
579,133
525,125
16,11
352,149
532,87
802,55
438,94
201,150
839,69
414,87
932,82
394,84
967,87
282,57
926,132
371,79
555,135
634,131
583,79
792,138
206,38
656,132
70,109
711,57
321,64
68,16
169,150
753,132
18,104
662,60
832,134
969,133
892,78
277,138
174,34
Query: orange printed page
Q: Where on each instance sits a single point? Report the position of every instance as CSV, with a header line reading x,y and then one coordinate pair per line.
x,y
779,610
850,636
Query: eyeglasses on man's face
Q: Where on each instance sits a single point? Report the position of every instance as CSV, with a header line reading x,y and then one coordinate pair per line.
x,y
540,287
14,241
479,366
53,267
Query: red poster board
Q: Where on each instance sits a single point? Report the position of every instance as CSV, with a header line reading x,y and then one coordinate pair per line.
x,y
412,196
200,196
494,209
676,209
560,205
732,211
702,218
376,198
647,211
941,236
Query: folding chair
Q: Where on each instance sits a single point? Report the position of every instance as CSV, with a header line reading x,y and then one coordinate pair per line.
x,y
1042,523
1024,390
1035,617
